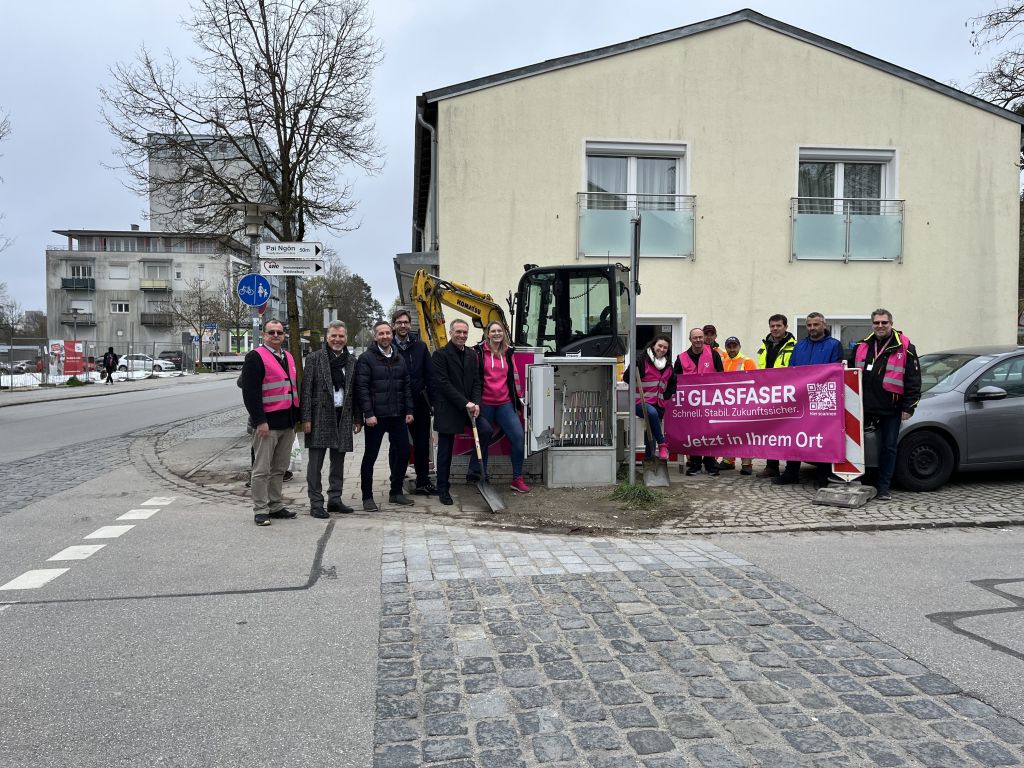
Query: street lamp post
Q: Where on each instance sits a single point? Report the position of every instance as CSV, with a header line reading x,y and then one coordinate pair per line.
x,y
255,215
74,319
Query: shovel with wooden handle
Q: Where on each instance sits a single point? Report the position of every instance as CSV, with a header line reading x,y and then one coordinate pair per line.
x,y
491,496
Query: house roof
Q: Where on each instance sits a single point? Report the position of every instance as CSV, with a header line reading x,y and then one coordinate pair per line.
x,y
746,14
227,240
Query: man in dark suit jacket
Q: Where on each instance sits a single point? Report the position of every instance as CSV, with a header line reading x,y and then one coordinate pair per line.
x,y
457,390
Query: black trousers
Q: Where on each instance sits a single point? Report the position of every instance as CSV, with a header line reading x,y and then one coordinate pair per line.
x,y
821,471
420,433
445,444
695,462
398,453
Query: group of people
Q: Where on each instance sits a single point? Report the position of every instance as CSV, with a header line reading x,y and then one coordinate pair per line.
x,y
886,358
394,389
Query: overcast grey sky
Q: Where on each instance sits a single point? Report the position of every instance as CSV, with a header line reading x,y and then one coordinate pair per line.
x,y
56,53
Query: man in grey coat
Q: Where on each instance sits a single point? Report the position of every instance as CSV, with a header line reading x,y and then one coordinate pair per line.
x,y
327,418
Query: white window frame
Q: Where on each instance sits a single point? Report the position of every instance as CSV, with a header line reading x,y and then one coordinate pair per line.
x,y
680,151
120,307
887,156
82,267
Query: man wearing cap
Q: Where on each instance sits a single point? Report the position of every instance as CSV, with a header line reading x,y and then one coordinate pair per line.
x,y
699,360
774,352
732,361
710,336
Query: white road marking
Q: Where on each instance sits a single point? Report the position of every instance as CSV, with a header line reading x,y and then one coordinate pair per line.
x,y
34,579
5,606
77,552
109,531
159,501
138,514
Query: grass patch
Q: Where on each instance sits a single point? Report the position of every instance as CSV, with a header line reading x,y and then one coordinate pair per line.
x,y
74,381
635,496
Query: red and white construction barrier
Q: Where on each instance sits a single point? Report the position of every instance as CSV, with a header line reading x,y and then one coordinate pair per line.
x,y
853,401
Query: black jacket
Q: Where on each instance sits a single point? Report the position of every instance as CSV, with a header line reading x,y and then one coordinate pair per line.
x,y
251,380
421,372
510,378
456,382
382,384
877,401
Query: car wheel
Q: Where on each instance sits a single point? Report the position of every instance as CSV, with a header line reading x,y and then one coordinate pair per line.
x,y
924,461
122,368
158,369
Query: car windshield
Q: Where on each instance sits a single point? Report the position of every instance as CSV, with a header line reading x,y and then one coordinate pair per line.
x,y
943,371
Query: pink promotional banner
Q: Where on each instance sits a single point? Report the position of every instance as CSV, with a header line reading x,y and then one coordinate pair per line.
x,y
776,413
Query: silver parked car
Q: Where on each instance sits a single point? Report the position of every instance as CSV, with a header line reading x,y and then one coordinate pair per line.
x,y
971,417
141,363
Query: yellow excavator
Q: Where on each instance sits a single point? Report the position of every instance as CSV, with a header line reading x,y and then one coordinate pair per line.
x,y
563,310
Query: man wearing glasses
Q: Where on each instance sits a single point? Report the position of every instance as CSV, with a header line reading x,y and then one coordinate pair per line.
x,y
421,381
891,377
271,395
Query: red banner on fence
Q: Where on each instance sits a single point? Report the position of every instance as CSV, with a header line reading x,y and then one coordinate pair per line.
x,y
777,413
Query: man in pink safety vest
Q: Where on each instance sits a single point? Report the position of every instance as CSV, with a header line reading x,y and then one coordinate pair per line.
x,y
698,360
270,391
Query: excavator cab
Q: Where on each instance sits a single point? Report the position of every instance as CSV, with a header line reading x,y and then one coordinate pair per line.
x,y
573,310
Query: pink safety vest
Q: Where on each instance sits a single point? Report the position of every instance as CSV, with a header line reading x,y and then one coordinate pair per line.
x,y
895,364
706,364
653,383
279,394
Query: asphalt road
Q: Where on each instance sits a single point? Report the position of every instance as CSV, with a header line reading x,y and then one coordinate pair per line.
x,y
185,636
35,428
894,584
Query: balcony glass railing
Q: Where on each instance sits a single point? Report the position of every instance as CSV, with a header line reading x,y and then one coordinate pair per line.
x,y
78,283
666,224
153,284
157,318
847,229
77,318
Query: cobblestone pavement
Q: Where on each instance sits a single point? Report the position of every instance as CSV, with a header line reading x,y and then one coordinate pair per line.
x,y
734,502
27,481
505,650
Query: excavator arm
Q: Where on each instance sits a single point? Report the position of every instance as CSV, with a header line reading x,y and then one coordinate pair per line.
x,y
431,294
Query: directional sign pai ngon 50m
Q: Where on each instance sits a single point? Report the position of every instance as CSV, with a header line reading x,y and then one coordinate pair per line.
x,y
310,251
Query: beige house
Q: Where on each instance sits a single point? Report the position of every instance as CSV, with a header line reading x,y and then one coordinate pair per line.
x,y
774,171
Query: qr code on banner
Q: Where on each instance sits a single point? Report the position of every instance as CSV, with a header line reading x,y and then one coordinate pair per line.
x,y
822,396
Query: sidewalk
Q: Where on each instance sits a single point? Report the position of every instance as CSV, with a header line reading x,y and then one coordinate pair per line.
x,y
102,389
218,459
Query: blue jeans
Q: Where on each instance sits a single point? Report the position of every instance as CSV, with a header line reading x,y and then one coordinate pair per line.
x,y
506,418
887,433
655,418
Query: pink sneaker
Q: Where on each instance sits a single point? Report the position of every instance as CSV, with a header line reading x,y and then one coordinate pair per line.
x,y
663,452
519,486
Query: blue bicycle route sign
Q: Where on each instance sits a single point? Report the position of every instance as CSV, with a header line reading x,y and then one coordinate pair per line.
x,y
254,290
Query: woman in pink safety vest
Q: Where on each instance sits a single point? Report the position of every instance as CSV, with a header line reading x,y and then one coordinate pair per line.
x,y
657,385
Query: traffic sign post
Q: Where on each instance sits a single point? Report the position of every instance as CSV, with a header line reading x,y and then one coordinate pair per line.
x,y
310,251
254,290
292,267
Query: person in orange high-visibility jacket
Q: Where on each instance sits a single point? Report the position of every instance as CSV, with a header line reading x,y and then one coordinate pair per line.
x,y
734,360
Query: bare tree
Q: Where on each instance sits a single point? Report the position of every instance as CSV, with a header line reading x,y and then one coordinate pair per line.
x,y
230,313
192,308
338,288
5,131
1003,82
280,107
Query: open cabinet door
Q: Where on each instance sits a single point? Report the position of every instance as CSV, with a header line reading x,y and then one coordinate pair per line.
x,y
540,408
